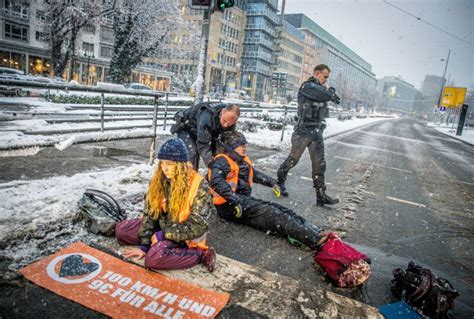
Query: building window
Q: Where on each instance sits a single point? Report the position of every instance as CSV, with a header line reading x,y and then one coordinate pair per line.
x,y
16,9
41,36
88,48
16,32
40,15
106,51
90,28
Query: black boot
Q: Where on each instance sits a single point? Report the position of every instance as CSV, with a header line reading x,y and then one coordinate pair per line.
x,y
323,199
283,190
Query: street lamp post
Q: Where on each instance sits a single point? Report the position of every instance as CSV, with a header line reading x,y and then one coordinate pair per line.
x,y
444,79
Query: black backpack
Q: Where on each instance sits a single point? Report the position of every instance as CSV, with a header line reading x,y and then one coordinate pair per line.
x,y
424,290
101,211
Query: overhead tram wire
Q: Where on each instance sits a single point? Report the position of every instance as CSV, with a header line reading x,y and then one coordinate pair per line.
x,y
428,23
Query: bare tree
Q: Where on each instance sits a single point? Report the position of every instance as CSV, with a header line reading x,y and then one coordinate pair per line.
x,y
141,29
64,22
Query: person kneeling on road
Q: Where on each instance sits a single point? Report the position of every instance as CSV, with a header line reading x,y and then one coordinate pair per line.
x,y
173,229
231,176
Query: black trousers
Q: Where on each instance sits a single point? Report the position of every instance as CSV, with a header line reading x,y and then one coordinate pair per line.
x,y
273,217
191,146
315,144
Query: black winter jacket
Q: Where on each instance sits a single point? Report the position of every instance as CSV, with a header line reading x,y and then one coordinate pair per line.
x,y
202,122
312,105
220,168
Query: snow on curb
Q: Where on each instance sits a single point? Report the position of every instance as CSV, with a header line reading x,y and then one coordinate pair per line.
x,y
466,137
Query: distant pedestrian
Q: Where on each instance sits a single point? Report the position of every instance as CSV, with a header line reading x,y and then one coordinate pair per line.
x,y
308,132
201,125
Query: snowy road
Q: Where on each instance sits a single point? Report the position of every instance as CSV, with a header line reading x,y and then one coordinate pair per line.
x,y
407,193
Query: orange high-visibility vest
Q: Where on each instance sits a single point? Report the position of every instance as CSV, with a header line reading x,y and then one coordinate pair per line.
x,y
184,214
232,178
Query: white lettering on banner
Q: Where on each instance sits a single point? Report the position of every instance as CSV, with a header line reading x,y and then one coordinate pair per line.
x,y
136,294
163,310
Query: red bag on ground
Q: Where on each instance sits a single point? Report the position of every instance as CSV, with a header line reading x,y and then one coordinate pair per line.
x,y
346,266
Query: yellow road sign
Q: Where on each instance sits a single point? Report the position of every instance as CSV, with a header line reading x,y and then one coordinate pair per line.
x,y
453,97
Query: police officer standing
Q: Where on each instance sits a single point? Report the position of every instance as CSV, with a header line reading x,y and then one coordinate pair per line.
x,y
308,132
201,125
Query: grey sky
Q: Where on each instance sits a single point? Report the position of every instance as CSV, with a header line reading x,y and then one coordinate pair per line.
x,y
395,43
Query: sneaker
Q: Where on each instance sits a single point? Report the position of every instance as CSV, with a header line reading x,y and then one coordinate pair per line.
x,y
208,259
284,193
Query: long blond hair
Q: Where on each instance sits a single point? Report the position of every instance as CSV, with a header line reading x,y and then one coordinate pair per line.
x,y
178,194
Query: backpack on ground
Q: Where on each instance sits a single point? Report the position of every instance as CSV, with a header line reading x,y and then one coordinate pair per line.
x,y
101,211
424,290
342,263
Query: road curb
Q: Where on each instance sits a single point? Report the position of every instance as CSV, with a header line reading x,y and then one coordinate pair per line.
x,y
451,136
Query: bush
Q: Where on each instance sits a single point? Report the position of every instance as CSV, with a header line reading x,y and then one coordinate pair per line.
x,y
85,99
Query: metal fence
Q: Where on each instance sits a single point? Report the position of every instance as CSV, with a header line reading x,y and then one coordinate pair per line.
x,y
136,117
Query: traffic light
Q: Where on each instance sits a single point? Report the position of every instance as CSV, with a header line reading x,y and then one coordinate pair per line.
x,y
224,4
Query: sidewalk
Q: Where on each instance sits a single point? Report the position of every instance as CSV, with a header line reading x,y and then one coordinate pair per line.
x,y
467,133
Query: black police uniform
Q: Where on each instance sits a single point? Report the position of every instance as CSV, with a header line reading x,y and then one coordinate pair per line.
x,y
199,127
308,132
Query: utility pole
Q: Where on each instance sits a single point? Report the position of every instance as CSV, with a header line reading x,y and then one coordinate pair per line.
x,y
199,83
444,79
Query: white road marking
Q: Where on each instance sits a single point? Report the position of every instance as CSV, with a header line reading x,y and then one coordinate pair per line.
x,y
371,163
466,183
374,148
310,179
406,202
395,137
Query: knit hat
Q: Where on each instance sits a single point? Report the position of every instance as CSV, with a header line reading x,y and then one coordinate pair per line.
x,y
233,139
173,149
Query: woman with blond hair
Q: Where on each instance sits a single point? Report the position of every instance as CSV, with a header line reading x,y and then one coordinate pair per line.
x,y
173,229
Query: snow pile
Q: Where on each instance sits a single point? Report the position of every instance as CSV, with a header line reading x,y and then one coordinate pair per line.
x,y
467,133
34,212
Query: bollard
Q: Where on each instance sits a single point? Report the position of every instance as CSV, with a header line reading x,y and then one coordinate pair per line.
x,y
166,111
284,123
153,141
102,112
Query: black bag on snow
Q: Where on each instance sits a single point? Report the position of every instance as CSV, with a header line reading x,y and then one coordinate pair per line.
x,y
101,211
424,290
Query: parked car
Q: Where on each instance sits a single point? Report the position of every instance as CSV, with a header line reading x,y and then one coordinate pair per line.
x,y
344,116
11,74
137,86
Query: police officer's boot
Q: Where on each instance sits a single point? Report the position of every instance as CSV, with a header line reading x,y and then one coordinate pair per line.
x,y
324,199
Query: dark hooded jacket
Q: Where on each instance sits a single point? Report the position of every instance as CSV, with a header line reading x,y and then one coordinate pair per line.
x,y
202,122
312,105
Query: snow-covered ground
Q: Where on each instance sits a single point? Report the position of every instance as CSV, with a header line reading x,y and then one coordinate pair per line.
x,y
467,133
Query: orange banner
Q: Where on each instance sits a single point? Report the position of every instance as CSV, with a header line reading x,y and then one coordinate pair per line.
x,y
121,290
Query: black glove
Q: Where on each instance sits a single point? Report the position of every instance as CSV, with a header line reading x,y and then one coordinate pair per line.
x,y
334,98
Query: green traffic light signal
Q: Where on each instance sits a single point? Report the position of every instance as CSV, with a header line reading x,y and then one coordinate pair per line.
x,y
224,4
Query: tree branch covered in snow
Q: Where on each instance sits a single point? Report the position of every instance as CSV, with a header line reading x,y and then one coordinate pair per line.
x,y
64,22
141,29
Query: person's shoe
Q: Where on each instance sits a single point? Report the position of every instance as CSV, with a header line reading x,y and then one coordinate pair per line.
x,y
283,190
208,259
324,199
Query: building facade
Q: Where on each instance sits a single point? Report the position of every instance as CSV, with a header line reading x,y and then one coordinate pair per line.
x,y
431,90
396,95
259,45
351,75
290,60
24,46
224,53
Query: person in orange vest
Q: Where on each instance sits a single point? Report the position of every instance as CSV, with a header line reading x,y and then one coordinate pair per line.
x,y
173,229
231,176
